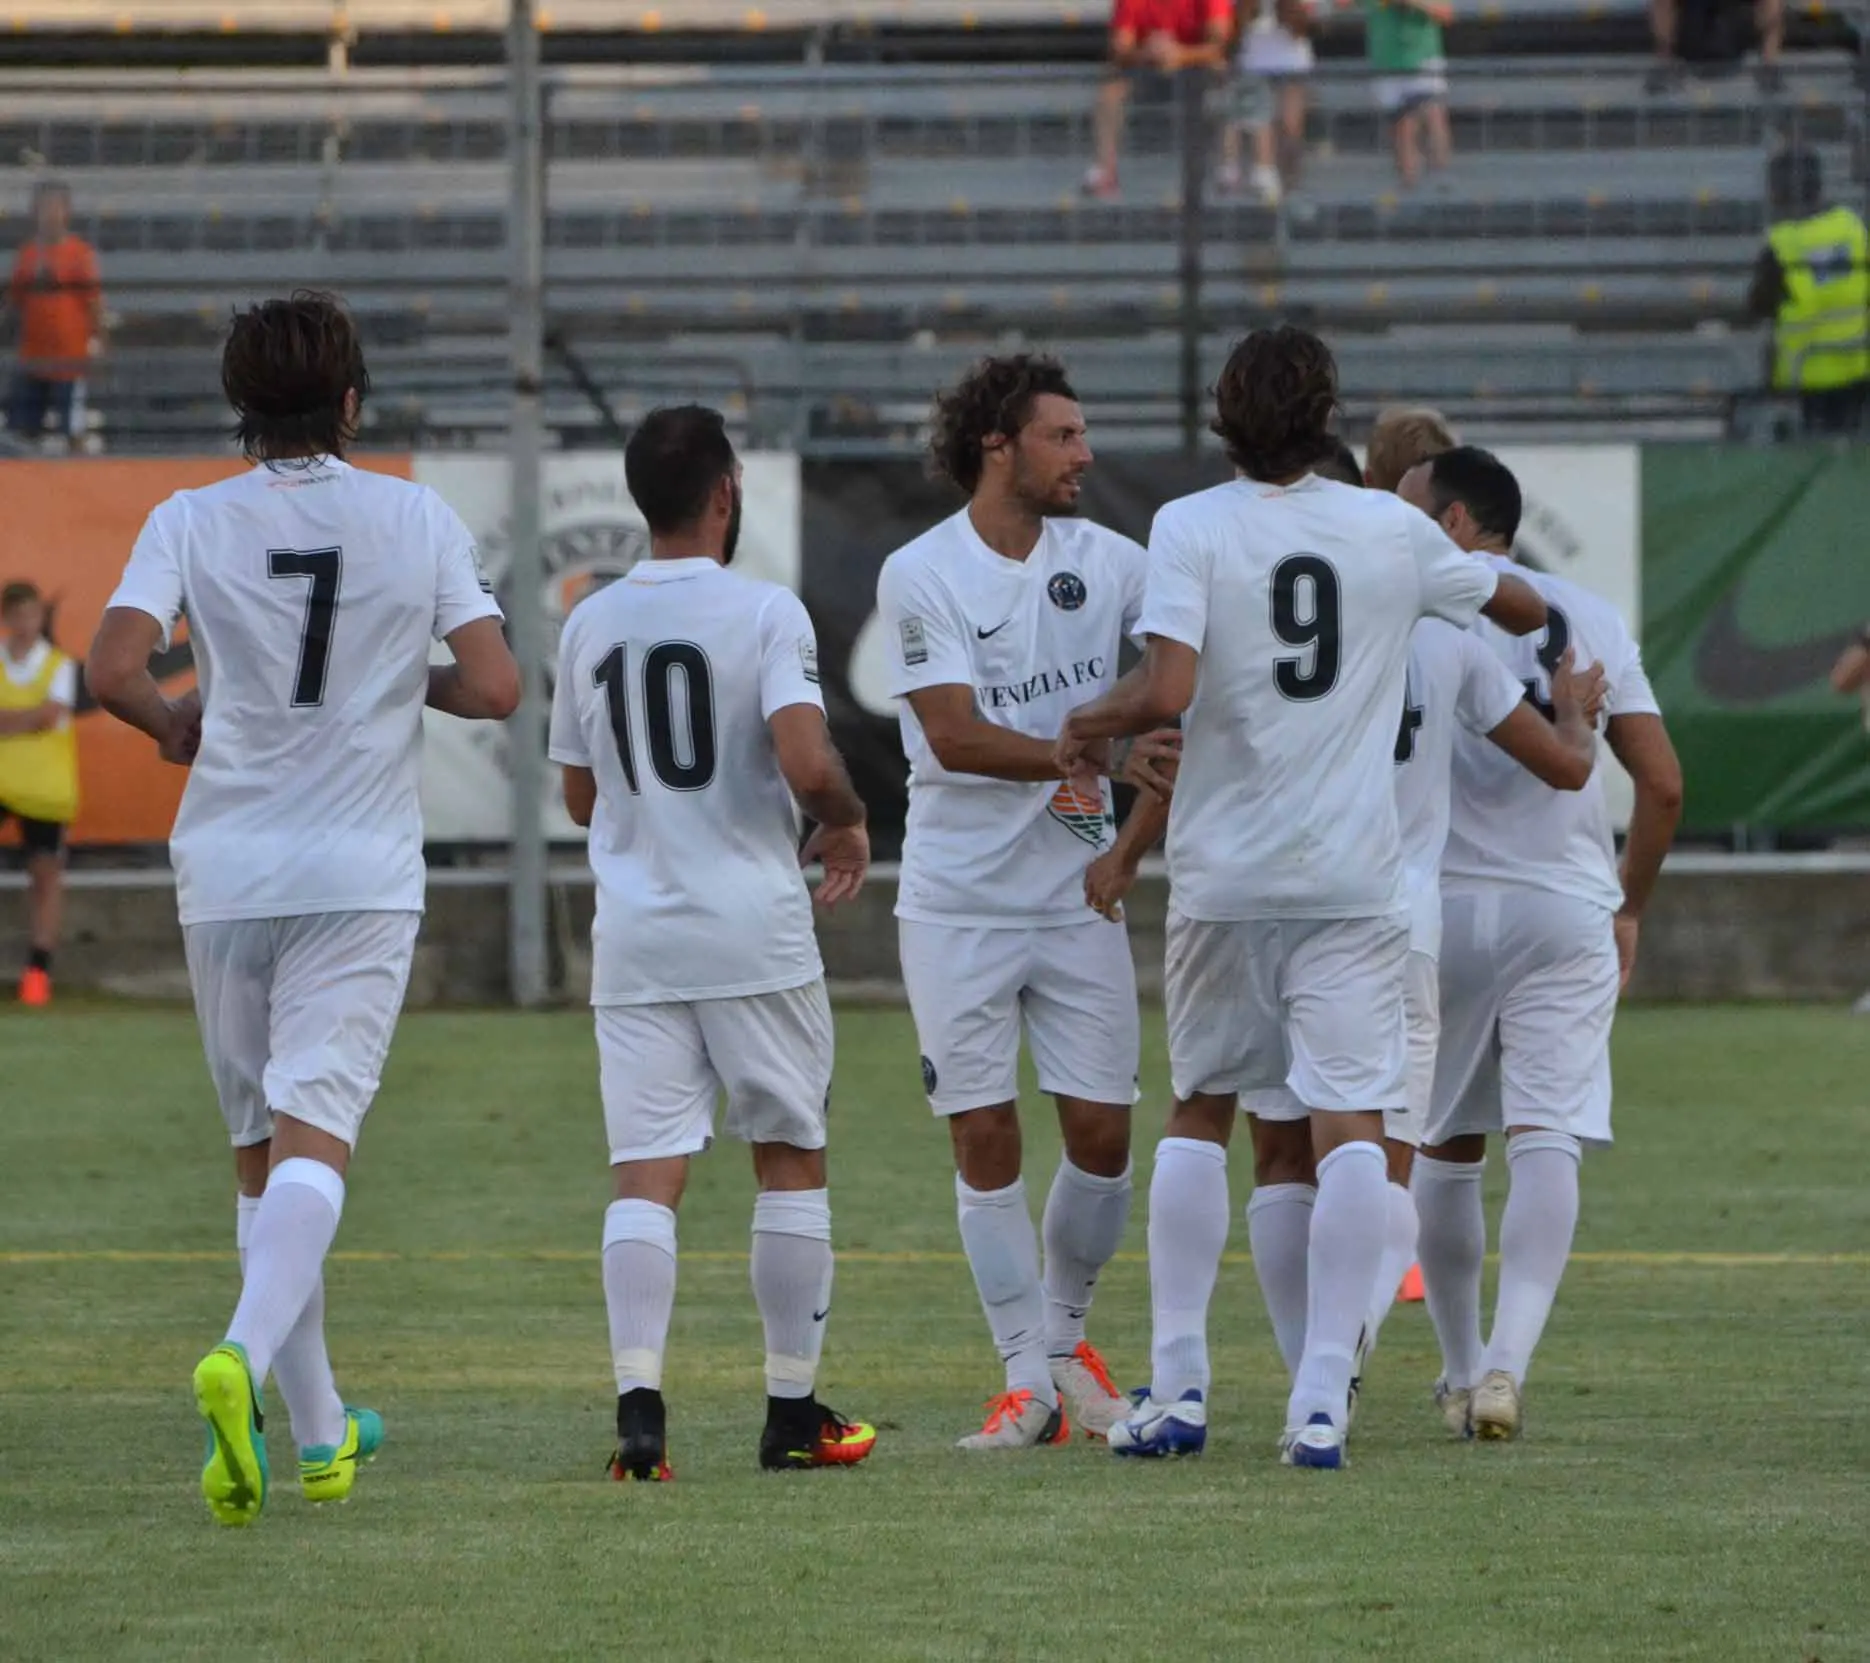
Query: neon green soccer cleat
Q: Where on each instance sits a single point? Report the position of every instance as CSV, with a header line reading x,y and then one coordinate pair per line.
x,y
233,1478
327,1474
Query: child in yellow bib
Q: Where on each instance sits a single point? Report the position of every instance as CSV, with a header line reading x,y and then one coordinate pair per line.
x,y
38,768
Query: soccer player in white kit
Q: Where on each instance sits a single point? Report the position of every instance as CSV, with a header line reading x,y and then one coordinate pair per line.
x,y
1539,934
1278,616
313,591
687,719
1454,682
999,621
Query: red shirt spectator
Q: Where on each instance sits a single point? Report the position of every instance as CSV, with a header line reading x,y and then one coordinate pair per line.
x,y
1187,22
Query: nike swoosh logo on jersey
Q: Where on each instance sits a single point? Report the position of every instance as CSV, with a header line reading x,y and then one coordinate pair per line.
x,y
819,1316
982,634
1732,666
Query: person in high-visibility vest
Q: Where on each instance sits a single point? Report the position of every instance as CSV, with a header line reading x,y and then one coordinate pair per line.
x,y
38,769
1813,282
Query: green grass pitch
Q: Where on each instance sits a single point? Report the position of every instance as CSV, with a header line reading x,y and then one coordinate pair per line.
x,y
1695,1482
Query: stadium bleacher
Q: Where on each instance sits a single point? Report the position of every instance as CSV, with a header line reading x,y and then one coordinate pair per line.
x,y
817,243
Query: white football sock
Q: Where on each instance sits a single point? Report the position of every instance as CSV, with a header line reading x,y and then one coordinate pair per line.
x,y
1535,1241
1003,1252
1085,1217
301,1367
1399,1233
1188,1219
291,1233
792,1284
1279,1232
1452,1241
639,1290
1347,1243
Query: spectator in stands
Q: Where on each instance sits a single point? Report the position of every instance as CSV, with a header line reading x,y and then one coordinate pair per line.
x,y
1713,33
1149,40
1812,285
38,769
1403,41
1404,438
56,297
1274,72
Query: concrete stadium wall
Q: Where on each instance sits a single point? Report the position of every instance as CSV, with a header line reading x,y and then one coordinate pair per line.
x,y
1759,927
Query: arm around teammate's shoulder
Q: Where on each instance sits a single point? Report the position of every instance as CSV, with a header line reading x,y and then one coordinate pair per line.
x,y
483,683
1515,606
1563,751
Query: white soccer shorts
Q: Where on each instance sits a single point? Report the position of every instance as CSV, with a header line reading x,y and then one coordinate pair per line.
x,y
1291,1014
1399,94
1422,1025
662,1069
297,1014
1073,986
1528,995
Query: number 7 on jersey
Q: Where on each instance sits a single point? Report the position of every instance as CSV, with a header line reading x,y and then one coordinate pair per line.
x,y
325,567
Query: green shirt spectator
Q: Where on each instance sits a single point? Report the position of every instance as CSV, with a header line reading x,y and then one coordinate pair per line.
x,y
1404,43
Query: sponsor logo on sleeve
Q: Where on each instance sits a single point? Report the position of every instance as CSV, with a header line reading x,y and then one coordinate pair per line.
x,y
915,642
808,659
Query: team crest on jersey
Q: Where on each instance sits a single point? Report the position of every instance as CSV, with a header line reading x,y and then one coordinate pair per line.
x,y
1080,812
1066,591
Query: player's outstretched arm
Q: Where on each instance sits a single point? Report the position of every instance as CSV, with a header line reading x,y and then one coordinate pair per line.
x,y
1642,745
117,672
816,774
1515,606
965,743
1155,691
483,682
1563,751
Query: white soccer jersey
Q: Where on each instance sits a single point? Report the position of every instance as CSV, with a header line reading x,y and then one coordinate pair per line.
x,y
313,592
1033,639
1301,601
1455,683
1507,826
666,681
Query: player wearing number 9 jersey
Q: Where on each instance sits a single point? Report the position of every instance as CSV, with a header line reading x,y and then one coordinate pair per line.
x,y
313,591
1278,615
687,720
1536,916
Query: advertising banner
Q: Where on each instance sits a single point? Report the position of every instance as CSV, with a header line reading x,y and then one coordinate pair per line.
x,y
592,535
1756,580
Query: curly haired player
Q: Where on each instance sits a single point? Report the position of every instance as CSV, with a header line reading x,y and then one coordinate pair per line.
x,y
999,621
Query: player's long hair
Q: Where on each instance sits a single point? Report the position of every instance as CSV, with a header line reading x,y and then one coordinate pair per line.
x,y
994,397
1274,402
288,370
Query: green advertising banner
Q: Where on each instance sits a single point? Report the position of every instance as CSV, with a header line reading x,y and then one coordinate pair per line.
x,y
1756,575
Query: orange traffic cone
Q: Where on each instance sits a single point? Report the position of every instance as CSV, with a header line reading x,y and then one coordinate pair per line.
x,y
1411,1290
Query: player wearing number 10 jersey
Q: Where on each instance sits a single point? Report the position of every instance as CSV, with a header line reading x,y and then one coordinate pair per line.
x,y
687,720
1278,615
313,591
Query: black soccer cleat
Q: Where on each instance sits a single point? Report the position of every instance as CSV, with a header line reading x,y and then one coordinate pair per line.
x,y
642,1454
801,1432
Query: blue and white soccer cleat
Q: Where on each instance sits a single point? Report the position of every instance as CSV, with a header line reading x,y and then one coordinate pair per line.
x,y
1318,1443
1157,1429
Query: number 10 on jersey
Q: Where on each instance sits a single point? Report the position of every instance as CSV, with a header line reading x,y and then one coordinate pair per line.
x,y
662,665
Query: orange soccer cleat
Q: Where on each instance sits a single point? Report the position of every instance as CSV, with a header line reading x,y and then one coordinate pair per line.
x,y
1018,1420
804,1433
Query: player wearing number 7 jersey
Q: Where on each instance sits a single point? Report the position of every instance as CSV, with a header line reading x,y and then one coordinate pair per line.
x,y
688,722
313,591
1278,616
1539,931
